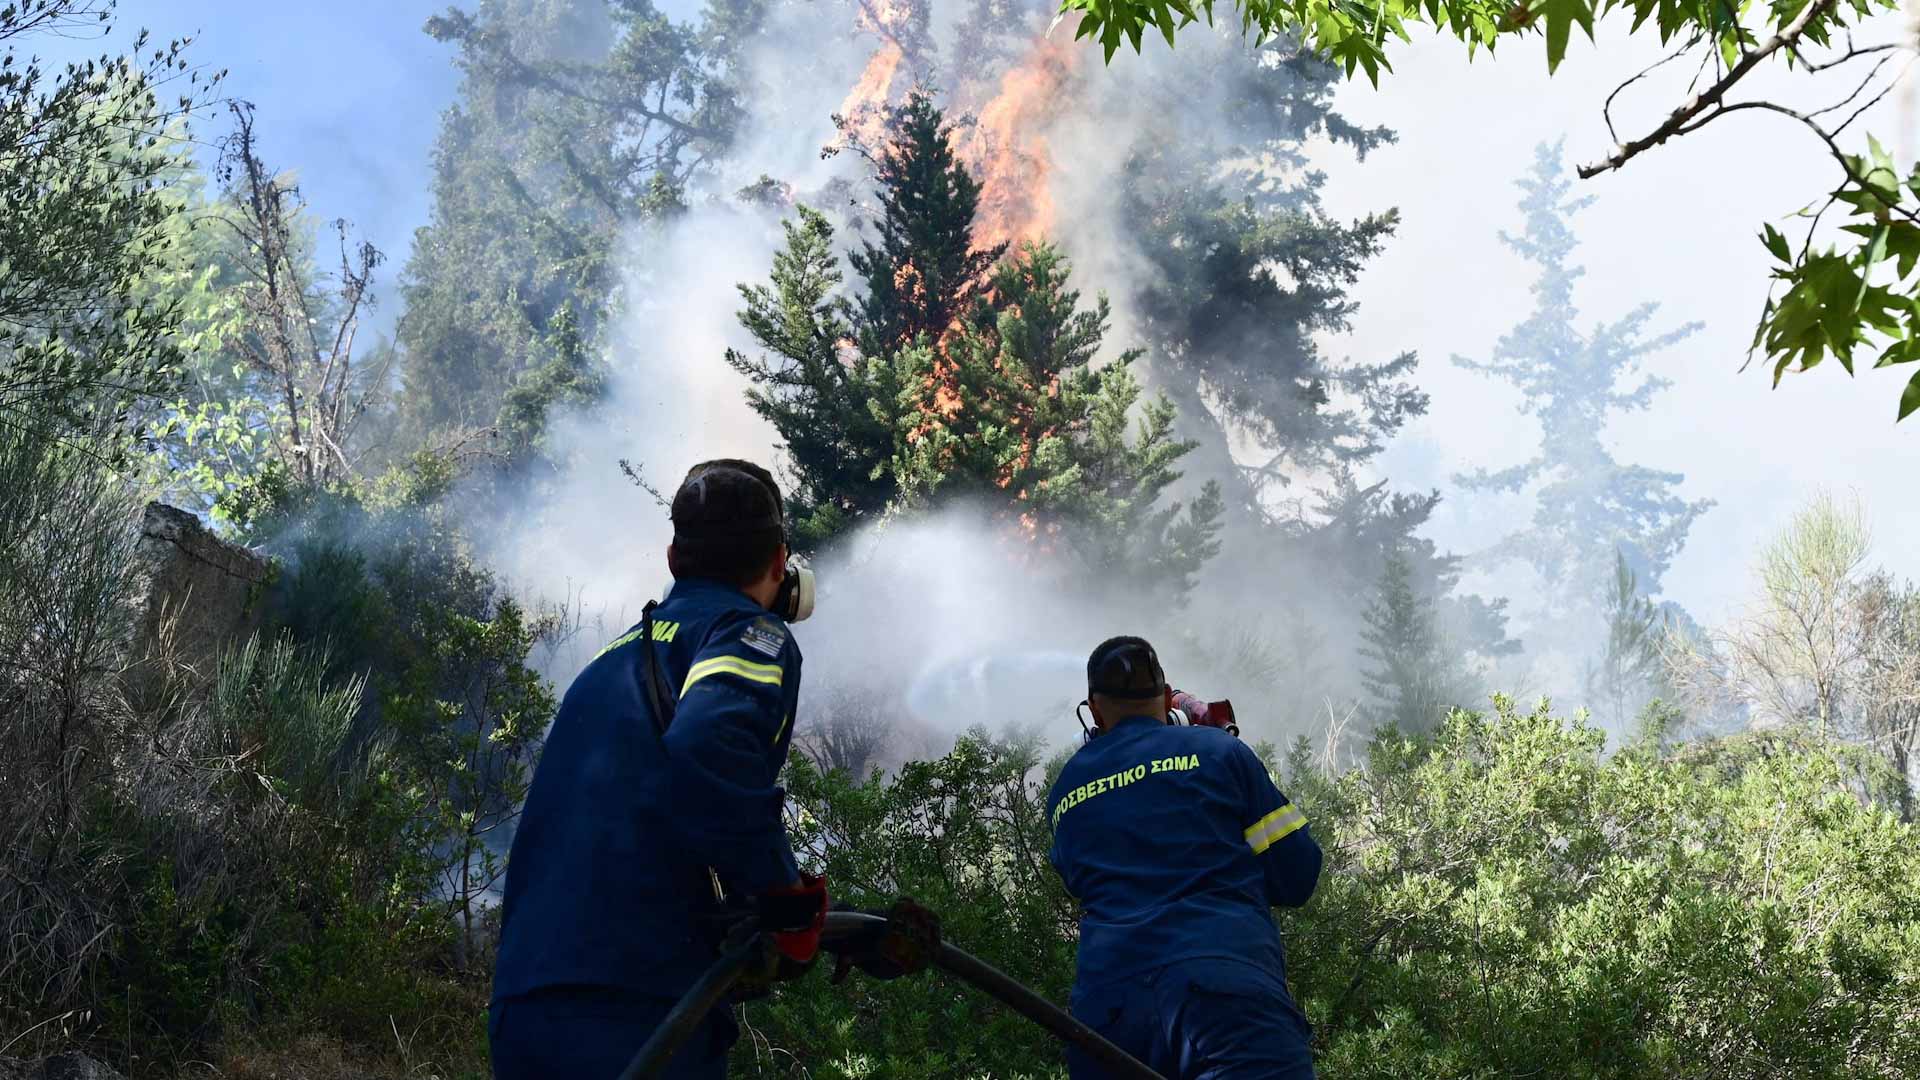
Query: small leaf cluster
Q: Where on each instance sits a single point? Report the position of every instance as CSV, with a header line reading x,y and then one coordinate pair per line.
x,y
1354,33
1863,298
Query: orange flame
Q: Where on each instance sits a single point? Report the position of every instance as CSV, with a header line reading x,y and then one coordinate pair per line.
x,y
864,112
1007,149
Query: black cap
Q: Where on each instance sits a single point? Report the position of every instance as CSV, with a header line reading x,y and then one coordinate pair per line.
x,y
727,500
1125,667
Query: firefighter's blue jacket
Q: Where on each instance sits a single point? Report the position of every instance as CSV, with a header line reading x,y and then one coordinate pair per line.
x,y
1177,844
608,875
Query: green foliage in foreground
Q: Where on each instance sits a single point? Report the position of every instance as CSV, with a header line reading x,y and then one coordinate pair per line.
x,y
84,155
290,842
966,834
1847,300
1354,33
1502,898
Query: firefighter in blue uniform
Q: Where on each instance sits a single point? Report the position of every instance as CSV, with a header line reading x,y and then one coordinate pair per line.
x,y
633,828
1177,844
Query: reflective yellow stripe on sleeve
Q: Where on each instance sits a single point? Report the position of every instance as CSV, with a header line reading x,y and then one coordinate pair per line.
x,y
1269,830
732,665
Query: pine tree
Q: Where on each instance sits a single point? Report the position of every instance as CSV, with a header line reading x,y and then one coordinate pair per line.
x,y
1591,509
925,270
566,371
1012,411
1408,685
1250,277
1250,274
953,377
831,404
1624,677
574,122
1347,535
832,379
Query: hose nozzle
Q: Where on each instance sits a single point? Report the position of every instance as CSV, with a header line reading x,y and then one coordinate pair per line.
x,y
1214,714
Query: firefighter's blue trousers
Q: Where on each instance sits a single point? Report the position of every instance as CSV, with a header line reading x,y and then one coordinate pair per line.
x,y
593,1032
1202,1019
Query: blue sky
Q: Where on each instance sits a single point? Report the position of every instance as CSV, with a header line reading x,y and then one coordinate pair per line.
x,y
348,96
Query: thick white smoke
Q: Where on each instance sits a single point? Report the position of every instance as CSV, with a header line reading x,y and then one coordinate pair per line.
x,y
955,623
937,619
590,537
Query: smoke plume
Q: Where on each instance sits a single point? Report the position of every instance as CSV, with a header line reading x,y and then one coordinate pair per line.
x,y
927,616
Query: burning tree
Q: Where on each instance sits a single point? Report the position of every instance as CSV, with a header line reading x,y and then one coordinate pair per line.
x,y
1013,407
957,372
925,271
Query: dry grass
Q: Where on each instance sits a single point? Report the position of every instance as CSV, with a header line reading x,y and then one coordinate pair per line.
x,y
278,1054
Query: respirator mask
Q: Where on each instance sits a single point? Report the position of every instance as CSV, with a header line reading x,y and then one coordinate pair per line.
x,y
794,601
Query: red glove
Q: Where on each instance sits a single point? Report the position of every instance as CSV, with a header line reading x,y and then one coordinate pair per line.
x,y
795,915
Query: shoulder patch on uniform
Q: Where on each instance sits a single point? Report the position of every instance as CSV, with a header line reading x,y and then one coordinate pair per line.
x,y
765,635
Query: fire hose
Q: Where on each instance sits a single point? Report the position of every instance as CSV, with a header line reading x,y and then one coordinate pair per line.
x,y
712,987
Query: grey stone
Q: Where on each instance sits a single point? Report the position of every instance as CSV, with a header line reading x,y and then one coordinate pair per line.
x,y
195,594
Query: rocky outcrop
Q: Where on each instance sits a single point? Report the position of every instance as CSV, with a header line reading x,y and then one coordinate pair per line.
x,y
195,594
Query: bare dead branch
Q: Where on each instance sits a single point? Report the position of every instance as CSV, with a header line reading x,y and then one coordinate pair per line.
x,y
1857,91
1606,110
1833,147
1851,54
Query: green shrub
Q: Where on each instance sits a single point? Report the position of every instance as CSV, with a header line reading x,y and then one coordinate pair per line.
x,y
965,835
304,844
1502,898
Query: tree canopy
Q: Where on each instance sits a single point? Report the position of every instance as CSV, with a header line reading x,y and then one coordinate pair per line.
x,y
962,372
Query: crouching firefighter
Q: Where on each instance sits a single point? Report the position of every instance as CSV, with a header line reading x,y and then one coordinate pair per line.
x,y
653,822
1177,844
